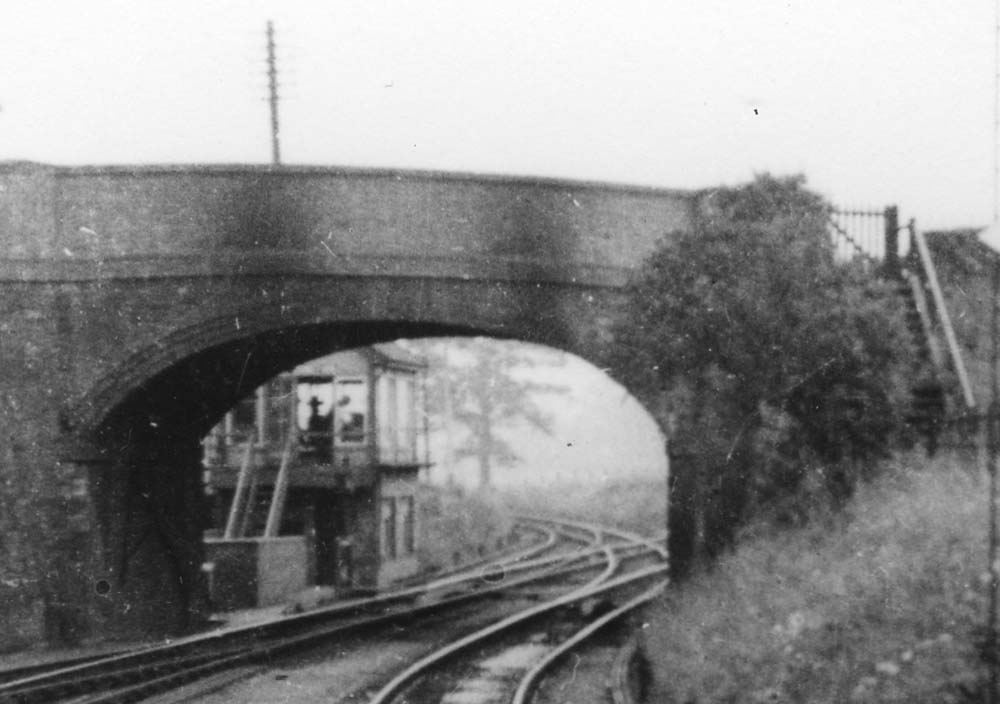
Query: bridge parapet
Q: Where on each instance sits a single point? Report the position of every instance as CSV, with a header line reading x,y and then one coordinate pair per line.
x,y
203,220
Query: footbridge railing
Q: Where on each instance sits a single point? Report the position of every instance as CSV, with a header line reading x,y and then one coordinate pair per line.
x,y
873,236
900,254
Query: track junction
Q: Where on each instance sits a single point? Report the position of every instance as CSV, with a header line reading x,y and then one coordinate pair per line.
x,y
541,603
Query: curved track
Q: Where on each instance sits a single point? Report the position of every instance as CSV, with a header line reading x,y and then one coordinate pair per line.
x,y
529,682
425,681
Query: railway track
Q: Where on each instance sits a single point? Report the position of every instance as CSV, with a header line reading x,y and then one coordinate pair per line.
x,y
133,676
548,540
507,660
432,675
618,674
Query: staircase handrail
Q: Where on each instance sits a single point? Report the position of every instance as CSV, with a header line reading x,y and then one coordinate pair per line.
x,y
923,312
238,494
277,509
249,505
930,273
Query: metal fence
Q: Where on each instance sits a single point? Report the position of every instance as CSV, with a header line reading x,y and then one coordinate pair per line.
x,y
870,235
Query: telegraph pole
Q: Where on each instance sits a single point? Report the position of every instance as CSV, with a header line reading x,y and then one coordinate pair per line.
x,y
993,412
272,82
993,451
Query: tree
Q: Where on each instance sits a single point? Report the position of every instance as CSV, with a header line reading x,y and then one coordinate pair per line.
x,y
779,362
480,383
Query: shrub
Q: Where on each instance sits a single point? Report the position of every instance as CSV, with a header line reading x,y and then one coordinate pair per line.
x,y
454,524
778,363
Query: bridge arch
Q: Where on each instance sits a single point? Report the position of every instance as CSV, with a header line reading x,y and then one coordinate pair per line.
x,y
234,350
146,415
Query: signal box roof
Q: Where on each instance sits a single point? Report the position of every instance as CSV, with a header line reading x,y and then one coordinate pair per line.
x,y
393,353
354,361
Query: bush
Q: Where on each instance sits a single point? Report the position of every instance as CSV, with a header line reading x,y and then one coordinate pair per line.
x,y
778,364
458,527
638,505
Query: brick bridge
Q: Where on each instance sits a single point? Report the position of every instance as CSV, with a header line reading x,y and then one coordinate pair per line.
x,y
139,303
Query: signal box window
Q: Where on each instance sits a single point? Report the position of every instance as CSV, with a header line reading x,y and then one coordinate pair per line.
x,y
396,426
314,415
385,416
406,533
406,436
277,404
389,528
350,414
245,416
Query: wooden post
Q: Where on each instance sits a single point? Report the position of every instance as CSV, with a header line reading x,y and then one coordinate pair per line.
x,y
993,451
666,427
272,84
890,266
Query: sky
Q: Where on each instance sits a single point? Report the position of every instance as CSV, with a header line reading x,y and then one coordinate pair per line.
x,y
599,433
876,102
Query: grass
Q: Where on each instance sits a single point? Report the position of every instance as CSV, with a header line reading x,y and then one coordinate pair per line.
x,y
457,526
883,603
460,526
636,504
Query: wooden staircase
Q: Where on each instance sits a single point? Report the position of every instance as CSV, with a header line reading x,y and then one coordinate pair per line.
x,y
257,509
928,402
940,389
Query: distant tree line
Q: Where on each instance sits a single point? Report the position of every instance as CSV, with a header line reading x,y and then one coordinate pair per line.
x,y
478,385
778,369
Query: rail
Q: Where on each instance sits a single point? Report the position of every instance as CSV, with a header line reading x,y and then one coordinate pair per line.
x,y
490,562
530,681
652,543
396,685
